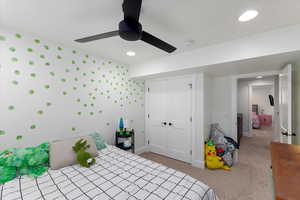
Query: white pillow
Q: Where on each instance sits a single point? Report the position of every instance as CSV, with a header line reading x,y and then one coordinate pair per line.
x,y
61,153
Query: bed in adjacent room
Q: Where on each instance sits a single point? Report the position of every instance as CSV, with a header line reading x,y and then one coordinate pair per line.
x,y
117,174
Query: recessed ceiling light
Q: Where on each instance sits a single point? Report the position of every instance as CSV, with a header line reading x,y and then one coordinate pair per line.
x,y
259,77
130,53
248,15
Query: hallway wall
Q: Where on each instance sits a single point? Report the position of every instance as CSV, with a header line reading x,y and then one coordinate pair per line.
x,y
296,103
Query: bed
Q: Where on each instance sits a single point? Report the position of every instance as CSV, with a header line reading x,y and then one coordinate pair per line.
x,y
117,175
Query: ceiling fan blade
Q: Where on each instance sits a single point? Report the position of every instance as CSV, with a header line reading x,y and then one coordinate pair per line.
x,y
132,9
147,37
98,37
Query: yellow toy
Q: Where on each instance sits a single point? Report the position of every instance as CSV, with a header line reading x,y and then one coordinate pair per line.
x,y
211,159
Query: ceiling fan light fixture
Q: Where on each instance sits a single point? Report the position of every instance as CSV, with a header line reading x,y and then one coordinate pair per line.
x,y
259,77
248,15
130,53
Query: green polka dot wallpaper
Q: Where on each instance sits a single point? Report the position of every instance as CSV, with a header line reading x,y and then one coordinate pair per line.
x,y
49,91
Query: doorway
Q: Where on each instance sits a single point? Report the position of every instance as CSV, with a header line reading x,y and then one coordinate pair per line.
x,y
257,105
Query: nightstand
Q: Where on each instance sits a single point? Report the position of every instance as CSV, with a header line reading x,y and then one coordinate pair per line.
x,y
125,135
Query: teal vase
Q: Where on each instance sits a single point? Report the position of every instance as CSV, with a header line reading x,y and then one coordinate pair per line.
x,y
121,124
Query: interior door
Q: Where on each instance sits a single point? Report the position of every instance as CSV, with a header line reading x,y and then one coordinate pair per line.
x,y
157,122
285,104
179,119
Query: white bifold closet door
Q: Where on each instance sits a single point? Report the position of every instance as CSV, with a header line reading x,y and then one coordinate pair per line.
x,y
169,122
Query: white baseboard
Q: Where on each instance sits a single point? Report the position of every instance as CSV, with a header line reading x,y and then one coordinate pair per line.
x,y
198,163
141,150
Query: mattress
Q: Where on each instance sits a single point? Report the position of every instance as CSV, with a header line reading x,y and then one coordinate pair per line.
x,y
117,175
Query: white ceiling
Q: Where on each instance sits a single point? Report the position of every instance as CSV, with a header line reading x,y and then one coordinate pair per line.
x,y
206,22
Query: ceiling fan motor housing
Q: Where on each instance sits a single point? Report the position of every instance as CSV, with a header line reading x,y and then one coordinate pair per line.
x,y
130,30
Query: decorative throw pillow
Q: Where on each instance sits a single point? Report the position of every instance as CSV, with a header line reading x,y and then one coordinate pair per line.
x,y
99,141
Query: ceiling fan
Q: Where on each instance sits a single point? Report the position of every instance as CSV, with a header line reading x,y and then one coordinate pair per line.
x,y
130,29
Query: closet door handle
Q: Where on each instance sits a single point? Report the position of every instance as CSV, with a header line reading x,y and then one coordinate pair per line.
x,y
170,124
164,123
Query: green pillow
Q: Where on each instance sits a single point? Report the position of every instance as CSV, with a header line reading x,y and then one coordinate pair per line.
x,y
99,141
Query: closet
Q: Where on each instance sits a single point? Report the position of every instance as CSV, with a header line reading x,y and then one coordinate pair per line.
x,y
169,117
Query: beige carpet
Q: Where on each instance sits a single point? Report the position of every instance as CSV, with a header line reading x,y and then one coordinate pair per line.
x,y
248,180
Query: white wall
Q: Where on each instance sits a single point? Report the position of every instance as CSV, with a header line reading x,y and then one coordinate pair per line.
x,y
207,104
221,104
49,91
260,96
296,103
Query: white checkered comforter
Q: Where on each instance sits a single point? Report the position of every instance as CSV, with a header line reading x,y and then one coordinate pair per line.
x,y
116,175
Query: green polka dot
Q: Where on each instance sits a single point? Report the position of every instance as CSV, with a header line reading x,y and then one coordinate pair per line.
x,y
58,57
30,50
92,104
14,59
33,75
67,70
11,107
94,98
84,74
47,63
17,72
84,85
15,82
59,48
40,112
42,56
94,61
75,79
73,129
77,68
73,62
65,93
74,52
2,132
2,38
48,104
33,126
84,62
52,73
109,62
12,49
79,113
63,80
74,88
46,86
31,92
19,137
31,63
78,100
86,56
91,113
46,47
85,105
18,35
37,41
92,72
92,80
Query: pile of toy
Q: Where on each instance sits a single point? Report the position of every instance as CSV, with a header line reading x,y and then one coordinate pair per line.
x,y
220,150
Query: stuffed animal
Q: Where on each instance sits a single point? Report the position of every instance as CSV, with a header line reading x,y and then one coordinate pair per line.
x,y
84,158
212,160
